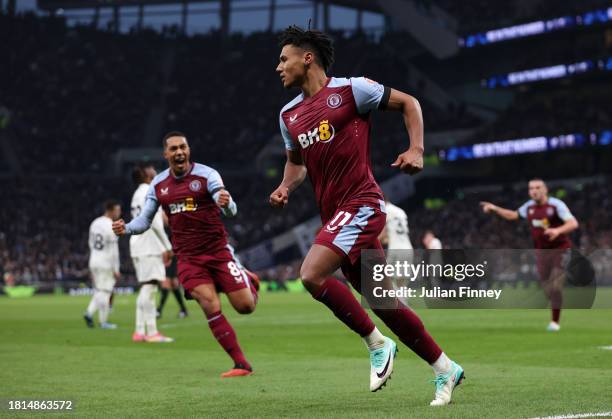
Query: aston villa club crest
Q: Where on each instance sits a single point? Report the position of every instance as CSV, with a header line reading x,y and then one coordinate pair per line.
x,y
195,185
334,100
550,211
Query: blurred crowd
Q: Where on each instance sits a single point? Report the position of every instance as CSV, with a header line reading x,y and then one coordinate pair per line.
x,y
481,15
44,226
76,95
71,97
460,223
554,112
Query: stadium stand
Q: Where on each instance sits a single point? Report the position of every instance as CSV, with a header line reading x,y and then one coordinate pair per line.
x,y
71,97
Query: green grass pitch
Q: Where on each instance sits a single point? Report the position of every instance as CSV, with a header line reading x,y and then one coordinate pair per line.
x,y
306,363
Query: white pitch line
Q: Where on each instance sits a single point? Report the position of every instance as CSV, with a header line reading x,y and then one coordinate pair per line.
x,y
578,415
606,348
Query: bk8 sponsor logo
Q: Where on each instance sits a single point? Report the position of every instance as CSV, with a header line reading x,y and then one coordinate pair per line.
x,y
323,133
188,204
543,223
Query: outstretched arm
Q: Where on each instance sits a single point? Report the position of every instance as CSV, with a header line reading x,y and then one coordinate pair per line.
x,y
139,224
294,175
507,214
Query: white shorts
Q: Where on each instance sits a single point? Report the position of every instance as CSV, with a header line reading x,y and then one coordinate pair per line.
x,y
103,279
150,267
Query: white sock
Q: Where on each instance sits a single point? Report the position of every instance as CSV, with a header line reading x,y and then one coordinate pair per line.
x,y
148,308
442,365
140,323
93,305
374,340
103,305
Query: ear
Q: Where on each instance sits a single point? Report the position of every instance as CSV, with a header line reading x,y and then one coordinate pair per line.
x,y
308,57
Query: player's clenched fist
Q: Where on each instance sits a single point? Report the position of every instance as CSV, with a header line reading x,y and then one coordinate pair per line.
x,y
280,197
487,207
119,227
223,200
410,161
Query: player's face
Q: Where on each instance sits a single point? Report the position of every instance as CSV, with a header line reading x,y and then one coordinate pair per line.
x,y
292,65
537,190
177,153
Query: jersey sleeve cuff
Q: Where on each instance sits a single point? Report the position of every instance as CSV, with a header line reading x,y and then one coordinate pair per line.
x,y
384,100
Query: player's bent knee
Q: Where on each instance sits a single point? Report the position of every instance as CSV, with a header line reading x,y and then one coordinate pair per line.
x,y
209,307
311,280
245,308
209,302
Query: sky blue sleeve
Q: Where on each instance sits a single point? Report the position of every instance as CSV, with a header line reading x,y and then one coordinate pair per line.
x,y
562,210
368,94
143,222
214,181
232,208
215,184
285,133
523,209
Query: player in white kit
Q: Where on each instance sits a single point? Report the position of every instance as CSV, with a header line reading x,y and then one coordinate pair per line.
x,y
395,237
396,234
103,263
150,251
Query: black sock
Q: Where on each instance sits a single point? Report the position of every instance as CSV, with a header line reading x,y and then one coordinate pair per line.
x,y
162,300
179,299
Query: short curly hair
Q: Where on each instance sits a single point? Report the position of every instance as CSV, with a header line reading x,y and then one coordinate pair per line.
x,y
311,40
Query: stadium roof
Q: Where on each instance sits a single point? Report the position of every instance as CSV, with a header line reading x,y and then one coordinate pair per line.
x,y
50,5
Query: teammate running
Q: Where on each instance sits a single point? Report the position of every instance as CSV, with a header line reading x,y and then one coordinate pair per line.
x,y
193,197
550,221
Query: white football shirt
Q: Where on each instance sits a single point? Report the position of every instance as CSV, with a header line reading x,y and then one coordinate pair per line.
x,y
397,227
153,241
103,245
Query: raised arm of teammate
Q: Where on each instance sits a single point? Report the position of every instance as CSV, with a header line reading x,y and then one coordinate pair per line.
x,y
294,175
141,223
410,161
507,214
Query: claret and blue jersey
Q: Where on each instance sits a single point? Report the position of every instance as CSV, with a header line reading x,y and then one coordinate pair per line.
x,y
331,130
192,212
551,214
